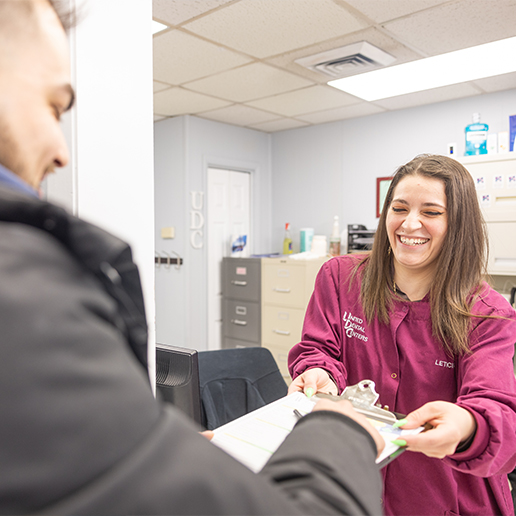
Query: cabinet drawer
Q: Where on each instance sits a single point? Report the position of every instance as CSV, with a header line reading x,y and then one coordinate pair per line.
x,y
233,343
502,248
280,354
241,320
284,285
282,326
496,195
241,279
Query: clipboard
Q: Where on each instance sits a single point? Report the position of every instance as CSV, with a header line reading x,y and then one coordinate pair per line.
x,y
254,437
364,399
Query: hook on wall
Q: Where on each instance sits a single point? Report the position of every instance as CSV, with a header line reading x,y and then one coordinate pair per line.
x,y
179,260
167,260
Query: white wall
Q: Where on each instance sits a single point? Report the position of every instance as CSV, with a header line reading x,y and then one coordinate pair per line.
x,y
170,176
110,178
307,168
331,169
184,149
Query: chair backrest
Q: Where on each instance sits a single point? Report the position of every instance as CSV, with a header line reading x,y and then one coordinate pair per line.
x,y
236,381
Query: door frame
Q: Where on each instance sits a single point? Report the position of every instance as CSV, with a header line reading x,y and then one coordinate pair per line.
x,y
236,166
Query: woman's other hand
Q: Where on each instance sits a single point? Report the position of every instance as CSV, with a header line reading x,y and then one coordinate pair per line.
x,y
208,434
345,407
313,381
452,425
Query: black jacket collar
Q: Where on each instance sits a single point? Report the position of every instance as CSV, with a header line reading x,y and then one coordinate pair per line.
x,y
102,254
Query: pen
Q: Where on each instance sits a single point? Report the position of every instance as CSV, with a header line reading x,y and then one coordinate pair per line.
x,y
297,414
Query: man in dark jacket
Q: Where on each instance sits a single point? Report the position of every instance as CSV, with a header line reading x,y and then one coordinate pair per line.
x,y
80,432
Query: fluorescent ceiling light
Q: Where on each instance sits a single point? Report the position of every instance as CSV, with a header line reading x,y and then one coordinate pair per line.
x,y
158,27
469,64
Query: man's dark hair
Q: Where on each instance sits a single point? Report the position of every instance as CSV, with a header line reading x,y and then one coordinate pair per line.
x,y
66,15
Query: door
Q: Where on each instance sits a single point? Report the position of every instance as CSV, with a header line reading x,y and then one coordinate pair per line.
x,y
228,214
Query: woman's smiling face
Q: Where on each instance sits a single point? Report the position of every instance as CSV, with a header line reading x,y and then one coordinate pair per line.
x,y
417,222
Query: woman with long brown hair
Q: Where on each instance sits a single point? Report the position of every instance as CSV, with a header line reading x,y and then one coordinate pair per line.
x,y
416,317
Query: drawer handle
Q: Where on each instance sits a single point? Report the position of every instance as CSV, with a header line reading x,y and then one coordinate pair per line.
x,y
282,290
238,322
239,283
281,332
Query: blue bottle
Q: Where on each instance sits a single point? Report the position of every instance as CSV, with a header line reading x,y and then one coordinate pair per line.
x,y
476,137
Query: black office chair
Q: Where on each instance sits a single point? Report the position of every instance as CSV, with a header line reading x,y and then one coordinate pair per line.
x,y
236,381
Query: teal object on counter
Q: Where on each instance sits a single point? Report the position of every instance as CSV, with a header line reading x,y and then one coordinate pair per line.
x,y
476,137
305,241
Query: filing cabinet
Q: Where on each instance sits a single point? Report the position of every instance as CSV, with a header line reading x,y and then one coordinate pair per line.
x,y
495,180
264,303
241,308
287,285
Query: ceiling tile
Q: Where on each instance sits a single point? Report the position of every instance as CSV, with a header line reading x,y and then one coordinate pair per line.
x,y
249,82
380,11
174,12
159,86
456,91
371,35
457,25
279,125
332,115
285,30
239,114
307,100
178,101
180,57
498,83
264,28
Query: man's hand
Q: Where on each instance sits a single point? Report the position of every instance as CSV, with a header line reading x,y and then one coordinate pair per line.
x,y
345,407
313,381
452,425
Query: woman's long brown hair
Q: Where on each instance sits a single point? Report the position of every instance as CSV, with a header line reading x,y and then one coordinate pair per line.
x,y
461,264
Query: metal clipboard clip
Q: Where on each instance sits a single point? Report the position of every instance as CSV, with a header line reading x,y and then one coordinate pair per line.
x,y
364,397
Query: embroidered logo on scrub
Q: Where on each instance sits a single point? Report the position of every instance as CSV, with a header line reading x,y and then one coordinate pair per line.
x,y
442,363
353,327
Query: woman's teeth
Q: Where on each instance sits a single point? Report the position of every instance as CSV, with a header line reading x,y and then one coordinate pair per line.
x,y
413,241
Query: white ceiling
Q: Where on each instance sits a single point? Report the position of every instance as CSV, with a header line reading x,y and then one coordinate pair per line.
x,y
234,60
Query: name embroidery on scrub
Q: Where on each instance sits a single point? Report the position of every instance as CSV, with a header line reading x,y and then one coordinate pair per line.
x,y
353,327
442,363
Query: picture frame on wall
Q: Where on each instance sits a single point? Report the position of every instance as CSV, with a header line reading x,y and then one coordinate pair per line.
x,y
382,187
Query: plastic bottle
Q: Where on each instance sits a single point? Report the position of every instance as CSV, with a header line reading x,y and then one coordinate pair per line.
x,y
344,241
335,238
287,241
476,137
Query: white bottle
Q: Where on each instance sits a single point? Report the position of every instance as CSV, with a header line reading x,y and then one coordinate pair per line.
x,y
344,241
335,238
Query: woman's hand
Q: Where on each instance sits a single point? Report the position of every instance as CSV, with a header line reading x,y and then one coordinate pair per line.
x,y
313,381
345,407
452,426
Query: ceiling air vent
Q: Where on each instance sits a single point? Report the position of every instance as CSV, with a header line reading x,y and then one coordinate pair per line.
x,y
349,60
